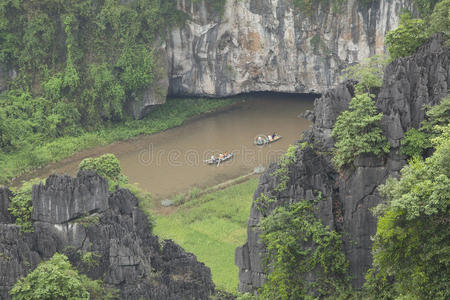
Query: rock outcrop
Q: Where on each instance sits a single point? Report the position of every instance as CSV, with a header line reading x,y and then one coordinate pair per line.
x,y
408,84
5,195
269,45
78,215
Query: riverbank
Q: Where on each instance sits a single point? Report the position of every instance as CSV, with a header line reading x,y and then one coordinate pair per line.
x,y
171,114
212,226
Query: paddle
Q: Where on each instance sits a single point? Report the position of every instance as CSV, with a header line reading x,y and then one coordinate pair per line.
x,y
219,162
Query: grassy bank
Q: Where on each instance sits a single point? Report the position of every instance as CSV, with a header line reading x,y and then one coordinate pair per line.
x,y
166,116
211,227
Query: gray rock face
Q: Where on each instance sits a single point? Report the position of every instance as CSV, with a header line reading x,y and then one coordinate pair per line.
x,y
268,45
117,233
5,195
64,198
409,83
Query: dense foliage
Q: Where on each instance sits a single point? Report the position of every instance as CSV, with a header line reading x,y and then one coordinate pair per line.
x,y
21,205
57,279
357,131
418,141
298,244
411,247
78,63
412,33
107,166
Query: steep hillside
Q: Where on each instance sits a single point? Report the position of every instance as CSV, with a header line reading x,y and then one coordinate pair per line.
x,y
346,197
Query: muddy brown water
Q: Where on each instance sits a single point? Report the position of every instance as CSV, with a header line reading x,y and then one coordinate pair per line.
x,y
172,161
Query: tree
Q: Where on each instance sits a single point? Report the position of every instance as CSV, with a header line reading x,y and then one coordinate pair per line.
x,y
440,19
410,34
57,279
357,131
411,245
417,141
298,244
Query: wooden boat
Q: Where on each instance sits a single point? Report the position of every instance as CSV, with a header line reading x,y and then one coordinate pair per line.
x,y
217,160
265,141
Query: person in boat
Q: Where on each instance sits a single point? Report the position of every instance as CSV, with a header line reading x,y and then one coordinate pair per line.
x,y
213,158
225,154
270,138
274,135
260,140
220,156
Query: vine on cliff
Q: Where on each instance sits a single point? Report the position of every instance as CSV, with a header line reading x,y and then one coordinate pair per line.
x,y
21,205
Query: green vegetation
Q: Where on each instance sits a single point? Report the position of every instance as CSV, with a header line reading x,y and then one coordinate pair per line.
x,y
87,221
211,227
21,205
282,172
34,154
418,141
93,59
357,131
298,243
412,33
368,73
107,166
440,19
411,250
90,258
57,279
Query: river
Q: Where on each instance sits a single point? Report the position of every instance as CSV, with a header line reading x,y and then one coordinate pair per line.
x,y
172,161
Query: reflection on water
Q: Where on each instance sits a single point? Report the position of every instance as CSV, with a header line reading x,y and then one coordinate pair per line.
x,y
173,161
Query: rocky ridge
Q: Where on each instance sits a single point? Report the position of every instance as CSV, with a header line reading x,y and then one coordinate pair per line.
x,y
408,84
79,215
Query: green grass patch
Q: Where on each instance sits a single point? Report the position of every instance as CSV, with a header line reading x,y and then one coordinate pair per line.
x,y
171,114
211,227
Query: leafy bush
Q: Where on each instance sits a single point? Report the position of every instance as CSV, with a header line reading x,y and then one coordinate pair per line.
x,y
21,205
417,142
368,73
440,19
411,244
297,244
57,279
357,131
107,166
410,34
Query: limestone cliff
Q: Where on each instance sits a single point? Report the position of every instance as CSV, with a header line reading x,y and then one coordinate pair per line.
x,y
268,45
79,215
408,84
